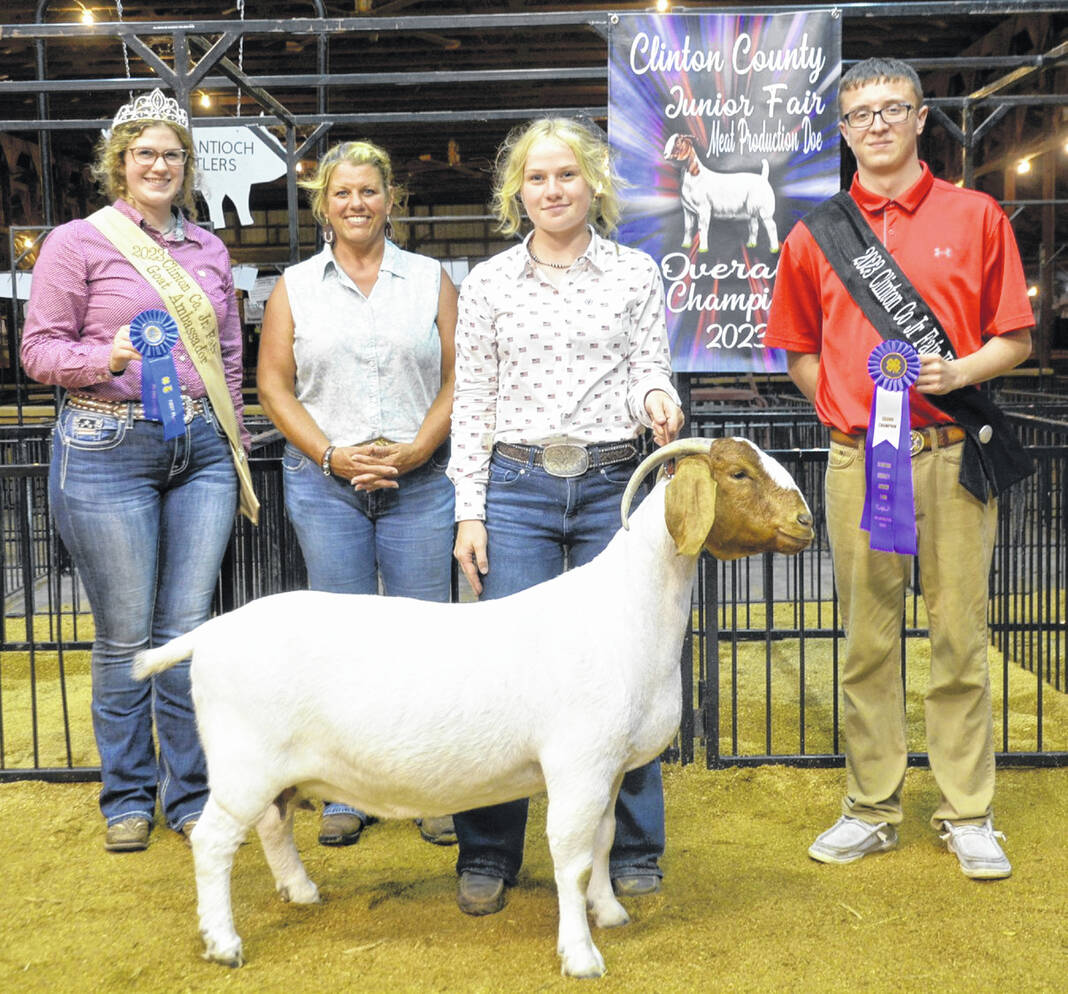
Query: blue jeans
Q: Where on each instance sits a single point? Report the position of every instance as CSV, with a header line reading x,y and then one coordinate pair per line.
x,y
350,538
534,521
146,522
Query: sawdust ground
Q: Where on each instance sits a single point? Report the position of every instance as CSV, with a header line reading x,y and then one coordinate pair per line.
x,y
742,909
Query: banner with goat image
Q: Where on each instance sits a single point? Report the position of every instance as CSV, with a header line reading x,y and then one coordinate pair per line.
x,y
725,131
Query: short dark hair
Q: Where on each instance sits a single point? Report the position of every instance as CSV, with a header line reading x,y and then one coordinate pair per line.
x,y
878,71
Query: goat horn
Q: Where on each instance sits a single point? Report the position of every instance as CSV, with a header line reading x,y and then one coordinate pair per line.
x,y
680,447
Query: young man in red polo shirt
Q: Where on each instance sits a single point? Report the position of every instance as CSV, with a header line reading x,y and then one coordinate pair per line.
x,y
957,248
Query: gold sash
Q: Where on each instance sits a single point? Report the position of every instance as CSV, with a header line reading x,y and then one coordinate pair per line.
x,y
197,325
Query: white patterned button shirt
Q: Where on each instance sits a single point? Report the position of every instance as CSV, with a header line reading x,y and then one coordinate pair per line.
x,y
536,362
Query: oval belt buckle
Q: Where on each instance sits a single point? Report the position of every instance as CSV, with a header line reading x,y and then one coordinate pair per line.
x,y
916,440
565,459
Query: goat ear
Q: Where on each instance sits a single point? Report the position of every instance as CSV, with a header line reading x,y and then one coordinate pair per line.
x,y
690,504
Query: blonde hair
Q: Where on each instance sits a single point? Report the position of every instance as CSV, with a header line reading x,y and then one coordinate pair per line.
x,y
109,166
594,162
358,153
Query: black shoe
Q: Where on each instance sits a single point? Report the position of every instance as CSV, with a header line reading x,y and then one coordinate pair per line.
x,y
340,830
479,893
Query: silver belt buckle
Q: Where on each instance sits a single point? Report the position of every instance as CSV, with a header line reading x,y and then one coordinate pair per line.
x,y
916,440
565,459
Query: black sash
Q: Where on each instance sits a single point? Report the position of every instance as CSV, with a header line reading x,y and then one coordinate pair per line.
x,y
993,458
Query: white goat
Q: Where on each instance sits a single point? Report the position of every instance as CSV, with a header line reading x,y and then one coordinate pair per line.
x,y
405,708
705,194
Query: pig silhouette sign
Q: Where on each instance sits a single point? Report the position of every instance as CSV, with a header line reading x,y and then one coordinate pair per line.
x,y
229,161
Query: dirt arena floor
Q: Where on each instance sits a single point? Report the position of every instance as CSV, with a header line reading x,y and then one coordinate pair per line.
x,y
742,909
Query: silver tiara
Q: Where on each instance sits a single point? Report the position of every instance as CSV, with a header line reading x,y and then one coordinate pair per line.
x,y
152,106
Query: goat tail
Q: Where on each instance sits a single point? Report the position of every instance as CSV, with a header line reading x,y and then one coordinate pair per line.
x,y
764,168
149,662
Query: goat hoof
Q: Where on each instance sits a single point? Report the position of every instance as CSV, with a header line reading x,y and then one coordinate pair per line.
x,y
611,915
584,962
231,957
300,893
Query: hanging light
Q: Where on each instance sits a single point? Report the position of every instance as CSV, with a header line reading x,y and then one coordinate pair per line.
x,y
1032,290
1023,166
205,99
663,6
87,14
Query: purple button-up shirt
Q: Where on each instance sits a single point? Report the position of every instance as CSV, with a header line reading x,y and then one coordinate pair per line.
x,y
83,290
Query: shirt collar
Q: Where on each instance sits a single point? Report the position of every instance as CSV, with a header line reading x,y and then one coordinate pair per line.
x,y
594,253
393,261
910,200
182,231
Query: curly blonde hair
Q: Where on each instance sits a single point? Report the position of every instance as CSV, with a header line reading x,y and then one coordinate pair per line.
x,y
356,153
109,164
594,161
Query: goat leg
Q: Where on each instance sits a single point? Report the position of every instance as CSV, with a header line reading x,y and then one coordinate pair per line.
x,y
576,807
215,841
275,829
607,911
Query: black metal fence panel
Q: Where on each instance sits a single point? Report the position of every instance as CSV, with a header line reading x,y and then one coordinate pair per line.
x,y
760,665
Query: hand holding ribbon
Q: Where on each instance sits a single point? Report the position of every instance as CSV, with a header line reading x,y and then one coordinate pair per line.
x,y
154,333
889,514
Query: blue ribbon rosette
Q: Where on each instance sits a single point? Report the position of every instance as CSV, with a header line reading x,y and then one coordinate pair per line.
x,y
154,333
889,513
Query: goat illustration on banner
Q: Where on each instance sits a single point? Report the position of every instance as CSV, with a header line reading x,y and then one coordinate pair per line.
x,y
230,160
725,134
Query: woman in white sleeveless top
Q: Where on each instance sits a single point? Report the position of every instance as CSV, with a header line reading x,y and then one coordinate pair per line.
x,y
356,370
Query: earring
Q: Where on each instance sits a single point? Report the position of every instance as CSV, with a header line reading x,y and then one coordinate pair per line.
x,y
328,235
389,228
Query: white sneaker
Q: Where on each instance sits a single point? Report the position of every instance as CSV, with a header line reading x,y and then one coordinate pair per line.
x,y
850,839
976,846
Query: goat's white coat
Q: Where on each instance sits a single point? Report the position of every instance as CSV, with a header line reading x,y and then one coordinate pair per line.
x,y
406,708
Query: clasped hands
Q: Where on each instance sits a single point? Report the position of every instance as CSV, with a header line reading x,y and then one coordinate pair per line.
x,y
374,466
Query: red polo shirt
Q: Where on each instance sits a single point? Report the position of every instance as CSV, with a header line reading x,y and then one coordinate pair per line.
x,y
957,248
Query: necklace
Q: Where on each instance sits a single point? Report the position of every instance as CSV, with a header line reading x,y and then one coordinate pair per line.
x,y
551,265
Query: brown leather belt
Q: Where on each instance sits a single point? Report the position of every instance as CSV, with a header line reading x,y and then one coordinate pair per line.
x,y
921,439
568,459
121,409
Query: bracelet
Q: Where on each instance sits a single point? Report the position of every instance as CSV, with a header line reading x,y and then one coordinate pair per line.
x,y
325,462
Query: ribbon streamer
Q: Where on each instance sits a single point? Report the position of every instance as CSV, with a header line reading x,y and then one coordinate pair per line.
x,y
154,333
889,513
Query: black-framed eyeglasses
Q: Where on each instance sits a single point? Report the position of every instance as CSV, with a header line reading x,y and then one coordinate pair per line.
x,y
145,156
864,117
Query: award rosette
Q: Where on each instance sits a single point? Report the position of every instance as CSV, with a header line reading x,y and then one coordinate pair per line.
x,y
154,333
889,514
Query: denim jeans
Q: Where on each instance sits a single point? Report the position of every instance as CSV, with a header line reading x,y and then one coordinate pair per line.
x,y
537,525
350,538
146,522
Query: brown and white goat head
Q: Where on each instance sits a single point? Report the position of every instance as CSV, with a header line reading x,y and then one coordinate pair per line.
x,y
729,497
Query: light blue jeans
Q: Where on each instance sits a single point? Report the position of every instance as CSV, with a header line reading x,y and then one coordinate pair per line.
x,y
532,521
146,522
350,539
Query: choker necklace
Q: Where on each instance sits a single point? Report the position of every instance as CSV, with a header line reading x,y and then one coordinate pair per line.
x,y
551,265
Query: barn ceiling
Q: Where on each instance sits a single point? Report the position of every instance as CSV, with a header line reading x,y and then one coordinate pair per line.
x,y
423,77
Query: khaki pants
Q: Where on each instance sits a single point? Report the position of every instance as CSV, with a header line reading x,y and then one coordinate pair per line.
x,y
955,546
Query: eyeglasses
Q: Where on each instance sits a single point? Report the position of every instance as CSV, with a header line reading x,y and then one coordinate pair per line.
x,y
145,156
864,117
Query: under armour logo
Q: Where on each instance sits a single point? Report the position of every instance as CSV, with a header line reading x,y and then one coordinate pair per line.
x,y
942,253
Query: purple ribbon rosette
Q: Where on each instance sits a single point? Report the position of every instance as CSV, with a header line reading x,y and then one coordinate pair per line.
x,y
889,514
154,333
